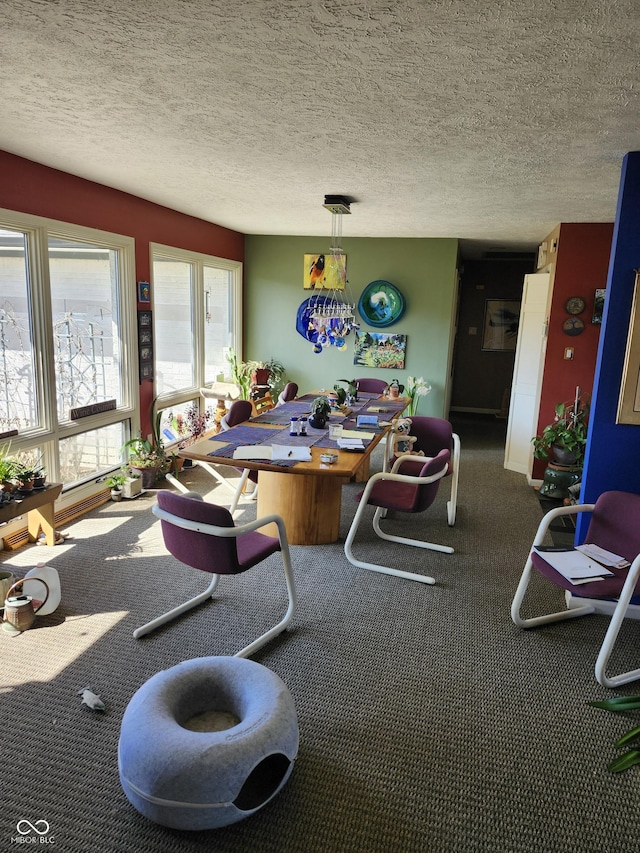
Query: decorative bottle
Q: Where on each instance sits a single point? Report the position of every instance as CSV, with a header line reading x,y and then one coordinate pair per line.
x,y
52,579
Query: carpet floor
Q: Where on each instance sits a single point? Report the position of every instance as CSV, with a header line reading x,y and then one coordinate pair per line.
x,y
428,721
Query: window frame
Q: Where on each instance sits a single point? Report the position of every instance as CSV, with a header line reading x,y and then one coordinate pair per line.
x,y
199,260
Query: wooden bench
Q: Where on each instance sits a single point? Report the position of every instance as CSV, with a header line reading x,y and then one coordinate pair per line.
x,y
39,509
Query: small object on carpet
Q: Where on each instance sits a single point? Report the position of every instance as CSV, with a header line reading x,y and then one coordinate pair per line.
x,y
91,699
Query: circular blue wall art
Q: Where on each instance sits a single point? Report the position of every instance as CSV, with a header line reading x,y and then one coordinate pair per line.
x,y
381,304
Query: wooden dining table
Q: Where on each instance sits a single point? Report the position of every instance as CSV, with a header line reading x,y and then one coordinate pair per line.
x,y
307,494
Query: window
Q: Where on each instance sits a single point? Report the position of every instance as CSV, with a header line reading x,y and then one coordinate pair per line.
x,y
196,302
68,349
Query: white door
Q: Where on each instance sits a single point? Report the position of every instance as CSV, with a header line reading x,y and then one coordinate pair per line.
x,y
527,373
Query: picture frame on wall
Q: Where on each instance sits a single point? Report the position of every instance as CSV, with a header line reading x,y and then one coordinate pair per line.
x,y
377,349
144,291
629,399
500,330
325,272
145,345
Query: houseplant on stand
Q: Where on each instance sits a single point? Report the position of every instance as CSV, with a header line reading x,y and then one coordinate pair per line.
x,y
562,444
146,458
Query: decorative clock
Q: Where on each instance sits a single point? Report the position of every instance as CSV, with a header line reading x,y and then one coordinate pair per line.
x,y
575,305
573,326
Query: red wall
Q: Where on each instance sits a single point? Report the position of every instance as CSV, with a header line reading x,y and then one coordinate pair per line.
x,y
30,187
582,265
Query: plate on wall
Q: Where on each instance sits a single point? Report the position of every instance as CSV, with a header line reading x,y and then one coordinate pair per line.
x,y
303,317
381,304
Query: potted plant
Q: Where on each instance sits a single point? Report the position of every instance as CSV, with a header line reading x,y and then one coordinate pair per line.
x,y
8,470
351,395
320,411
24,477
564,440
145,457
240,373
116,483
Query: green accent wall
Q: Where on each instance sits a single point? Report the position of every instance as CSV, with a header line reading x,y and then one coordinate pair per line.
x,y
425,272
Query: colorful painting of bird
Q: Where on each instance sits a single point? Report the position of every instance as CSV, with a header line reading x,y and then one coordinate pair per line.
x,y
316,271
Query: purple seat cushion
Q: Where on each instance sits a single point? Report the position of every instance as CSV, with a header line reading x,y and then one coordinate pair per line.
x,y
211,553
615,526
407,497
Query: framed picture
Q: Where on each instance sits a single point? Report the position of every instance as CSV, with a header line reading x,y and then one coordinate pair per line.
x,y
629,400
144,291
500,331
598,306
375,349
325,272
145,345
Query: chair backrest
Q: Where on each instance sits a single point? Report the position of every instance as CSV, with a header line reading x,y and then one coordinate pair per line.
x,y
239,412
425,495
432,434
200,550
288,393
371,386
615,524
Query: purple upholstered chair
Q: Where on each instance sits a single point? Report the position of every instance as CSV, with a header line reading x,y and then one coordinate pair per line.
x,y
204,536
411,486
287,394
371,386
434,434
614,526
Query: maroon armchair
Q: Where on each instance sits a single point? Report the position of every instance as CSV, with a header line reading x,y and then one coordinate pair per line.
x,y
410,490
614,526
204,536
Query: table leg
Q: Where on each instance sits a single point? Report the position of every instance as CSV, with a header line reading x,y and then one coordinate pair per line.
x,y
310,505
42,517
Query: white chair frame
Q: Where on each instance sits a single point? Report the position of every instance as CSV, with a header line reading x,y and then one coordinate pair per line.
x,y
589,606
379,513
229,532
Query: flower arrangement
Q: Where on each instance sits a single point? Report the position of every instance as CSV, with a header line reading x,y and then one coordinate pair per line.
x,y
191,424
416,388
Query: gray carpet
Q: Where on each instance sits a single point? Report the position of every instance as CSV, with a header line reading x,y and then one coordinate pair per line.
x,y
428,722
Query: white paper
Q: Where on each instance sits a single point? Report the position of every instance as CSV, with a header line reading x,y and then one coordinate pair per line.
x,y
606,558
252,451
282,452
358,433
573,565
350,444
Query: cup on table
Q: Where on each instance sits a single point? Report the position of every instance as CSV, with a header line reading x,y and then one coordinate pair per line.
x,y
335,431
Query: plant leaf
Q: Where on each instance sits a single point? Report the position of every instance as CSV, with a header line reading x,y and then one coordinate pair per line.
x,y
619,703
628,737
625,761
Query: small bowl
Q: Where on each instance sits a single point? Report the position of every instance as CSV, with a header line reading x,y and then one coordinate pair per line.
x,y
328,458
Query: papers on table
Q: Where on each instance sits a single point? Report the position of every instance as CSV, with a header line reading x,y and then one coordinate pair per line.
x,y
606,558
252,451
286,452
353,444
274,452
357,433
573,565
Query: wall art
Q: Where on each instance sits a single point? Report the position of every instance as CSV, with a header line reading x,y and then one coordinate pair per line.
x,y
501,319
377,349
325,272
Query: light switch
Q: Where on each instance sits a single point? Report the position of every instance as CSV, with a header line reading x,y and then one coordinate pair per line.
x,y
568,353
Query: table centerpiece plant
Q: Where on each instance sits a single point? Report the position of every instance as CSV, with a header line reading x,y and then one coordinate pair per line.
x,y
320,410
416,388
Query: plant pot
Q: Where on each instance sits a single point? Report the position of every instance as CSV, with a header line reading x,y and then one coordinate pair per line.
x,y
562,456
317,422
260,376
132,487
116,495
39,482
394,393
148,475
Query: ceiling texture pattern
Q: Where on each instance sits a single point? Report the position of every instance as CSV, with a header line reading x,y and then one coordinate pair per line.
x,y
487,120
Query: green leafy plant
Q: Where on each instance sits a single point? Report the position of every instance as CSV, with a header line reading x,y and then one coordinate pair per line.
x,y
568,431
116,481
631,757
240,373
8,465
144,453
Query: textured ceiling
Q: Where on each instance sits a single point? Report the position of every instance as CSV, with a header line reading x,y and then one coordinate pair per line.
x,y
488,120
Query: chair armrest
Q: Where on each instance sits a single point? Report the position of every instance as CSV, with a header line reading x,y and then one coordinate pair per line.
x,y
223,532
550,516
